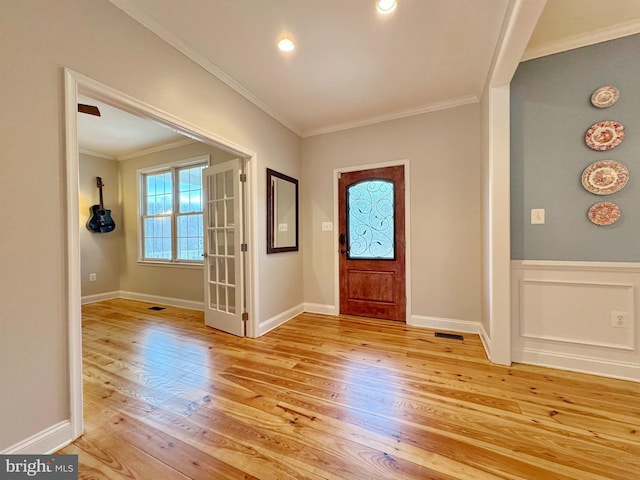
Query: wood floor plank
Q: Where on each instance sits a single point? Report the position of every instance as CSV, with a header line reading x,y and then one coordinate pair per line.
x,y
335,398
422,425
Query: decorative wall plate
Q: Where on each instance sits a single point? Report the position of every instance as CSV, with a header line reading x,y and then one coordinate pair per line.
x,y
605,177
604,213
604,135
605,96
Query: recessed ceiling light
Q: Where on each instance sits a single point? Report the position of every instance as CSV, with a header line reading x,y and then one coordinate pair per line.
x,y
386,6
285,44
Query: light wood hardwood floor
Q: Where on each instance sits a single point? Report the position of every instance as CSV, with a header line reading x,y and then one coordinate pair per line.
x,y
335,398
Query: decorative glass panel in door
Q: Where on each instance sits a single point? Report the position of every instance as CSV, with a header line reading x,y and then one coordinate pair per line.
x,y
370,226
224,283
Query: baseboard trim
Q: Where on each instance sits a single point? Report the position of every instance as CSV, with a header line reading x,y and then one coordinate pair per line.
x,y
100,297
486,340
274,322
578,363
170,301
47,441
438,323
144,297
321,309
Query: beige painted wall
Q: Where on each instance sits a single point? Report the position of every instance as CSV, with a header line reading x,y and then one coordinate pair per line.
x,y
182,282
444,153
100,253
39,39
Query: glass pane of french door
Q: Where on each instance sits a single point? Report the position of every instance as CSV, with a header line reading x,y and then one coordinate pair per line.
x,y
223,259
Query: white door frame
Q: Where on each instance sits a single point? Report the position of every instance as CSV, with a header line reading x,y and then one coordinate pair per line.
x,y
77,83
407,227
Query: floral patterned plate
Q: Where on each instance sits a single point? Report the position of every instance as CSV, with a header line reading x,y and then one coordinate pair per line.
x,y
604,135
605,177
604,213
605,96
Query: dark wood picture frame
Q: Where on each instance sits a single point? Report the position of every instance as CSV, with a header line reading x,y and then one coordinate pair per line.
x,y
272,221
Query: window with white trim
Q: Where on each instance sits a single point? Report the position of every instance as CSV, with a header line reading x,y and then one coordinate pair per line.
x,y
171,212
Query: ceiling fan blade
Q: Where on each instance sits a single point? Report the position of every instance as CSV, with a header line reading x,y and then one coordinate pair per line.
x,y
89,109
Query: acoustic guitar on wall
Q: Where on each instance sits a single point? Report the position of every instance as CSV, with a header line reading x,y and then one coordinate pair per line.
x,y
100,220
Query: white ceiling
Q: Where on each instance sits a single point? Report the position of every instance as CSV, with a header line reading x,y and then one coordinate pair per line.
x,y
351,66
568,24
116,134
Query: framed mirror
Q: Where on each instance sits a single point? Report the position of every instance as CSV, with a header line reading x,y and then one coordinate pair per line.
x,y
282,212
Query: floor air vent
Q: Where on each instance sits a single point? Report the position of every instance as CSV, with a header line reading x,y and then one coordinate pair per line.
x,y
156,308
449,335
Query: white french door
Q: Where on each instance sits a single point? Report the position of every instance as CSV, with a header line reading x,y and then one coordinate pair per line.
x,y
223,257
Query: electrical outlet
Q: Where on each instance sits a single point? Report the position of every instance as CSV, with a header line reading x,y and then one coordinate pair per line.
x,y
327,226
537,216
619,319
92,277
283,227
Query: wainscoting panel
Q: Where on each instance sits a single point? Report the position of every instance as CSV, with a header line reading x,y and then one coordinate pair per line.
x,y
576,312
577,316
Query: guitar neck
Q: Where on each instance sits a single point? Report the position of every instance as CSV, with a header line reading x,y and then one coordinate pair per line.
x,y
100,185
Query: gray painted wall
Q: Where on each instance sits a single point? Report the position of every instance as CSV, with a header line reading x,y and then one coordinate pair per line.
x,y
550,113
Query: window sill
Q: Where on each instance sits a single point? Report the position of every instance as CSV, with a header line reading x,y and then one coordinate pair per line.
x,y
187,265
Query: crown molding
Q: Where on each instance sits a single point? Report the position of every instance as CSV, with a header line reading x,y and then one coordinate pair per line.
x,y
86,151
427,108
146,21
138,153
156,149
597,36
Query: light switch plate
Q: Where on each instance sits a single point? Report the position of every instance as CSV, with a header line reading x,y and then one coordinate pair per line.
x,y
326,226
537,216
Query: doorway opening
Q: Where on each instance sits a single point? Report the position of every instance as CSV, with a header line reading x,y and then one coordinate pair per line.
x,y
76,84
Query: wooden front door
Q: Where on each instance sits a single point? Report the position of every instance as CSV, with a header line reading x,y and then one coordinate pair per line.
x,y
372,243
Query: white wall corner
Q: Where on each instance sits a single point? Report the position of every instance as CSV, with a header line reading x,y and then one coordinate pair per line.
x,y
47,441
439,323
519,23
497,218
169,301
321,309
100,297
486,341
280,319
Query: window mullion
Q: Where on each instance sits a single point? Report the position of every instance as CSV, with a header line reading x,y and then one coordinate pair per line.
x,y
175,189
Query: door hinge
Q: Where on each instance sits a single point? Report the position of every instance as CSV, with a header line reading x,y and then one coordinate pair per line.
x,y
243,247
243,177
245,316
